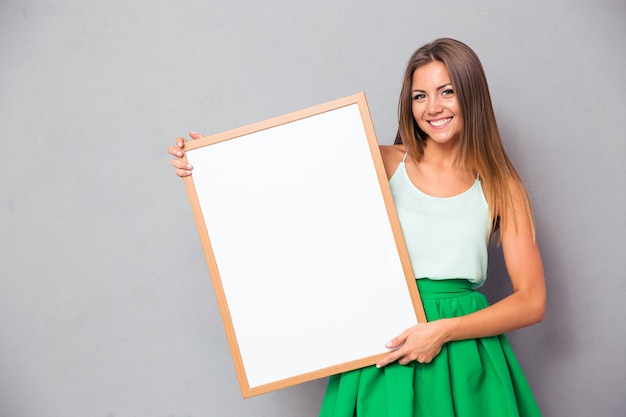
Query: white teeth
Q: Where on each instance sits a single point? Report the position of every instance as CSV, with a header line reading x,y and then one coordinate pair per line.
x,y
440,122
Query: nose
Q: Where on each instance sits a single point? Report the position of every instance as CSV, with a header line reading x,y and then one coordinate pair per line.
x,y
434,105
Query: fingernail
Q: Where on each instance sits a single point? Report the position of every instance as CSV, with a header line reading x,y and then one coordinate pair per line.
x,y
189,167
388,344
179,153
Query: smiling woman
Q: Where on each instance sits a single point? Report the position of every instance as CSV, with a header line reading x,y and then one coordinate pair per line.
x,y
453,187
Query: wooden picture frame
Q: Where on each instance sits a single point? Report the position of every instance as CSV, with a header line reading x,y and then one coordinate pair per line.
x,y
303,244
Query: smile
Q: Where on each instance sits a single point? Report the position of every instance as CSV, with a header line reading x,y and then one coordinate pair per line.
x,y
440,122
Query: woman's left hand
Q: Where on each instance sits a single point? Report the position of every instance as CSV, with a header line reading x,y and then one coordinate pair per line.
x,y
420,343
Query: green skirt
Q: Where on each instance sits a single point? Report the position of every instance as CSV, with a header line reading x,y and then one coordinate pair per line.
x,y
469,378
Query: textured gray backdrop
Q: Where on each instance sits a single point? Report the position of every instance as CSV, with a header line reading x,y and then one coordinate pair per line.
x,y
106,308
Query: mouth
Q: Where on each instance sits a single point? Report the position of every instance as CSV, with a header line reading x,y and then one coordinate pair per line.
x,y
440,122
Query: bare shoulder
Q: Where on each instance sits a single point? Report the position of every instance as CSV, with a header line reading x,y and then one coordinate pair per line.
x,y
392,156
389,150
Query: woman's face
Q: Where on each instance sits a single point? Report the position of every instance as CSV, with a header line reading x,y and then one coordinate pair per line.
x,y
435,106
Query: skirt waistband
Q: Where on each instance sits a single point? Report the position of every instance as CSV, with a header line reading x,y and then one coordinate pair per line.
x,y
443,288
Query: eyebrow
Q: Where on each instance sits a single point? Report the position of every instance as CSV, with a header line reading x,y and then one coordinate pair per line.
x,y
441,87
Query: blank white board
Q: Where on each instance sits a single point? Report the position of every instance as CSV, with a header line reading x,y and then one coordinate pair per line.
x,y
303,245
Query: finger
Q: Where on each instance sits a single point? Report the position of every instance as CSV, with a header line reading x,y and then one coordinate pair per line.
x,y
182,169
182,172
397,341
392,357
175,151
195,135
405,360
180,142
180,164
393,343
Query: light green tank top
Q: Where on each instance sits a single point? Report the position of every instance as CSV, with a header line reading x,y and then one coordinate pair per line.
x,y
445,237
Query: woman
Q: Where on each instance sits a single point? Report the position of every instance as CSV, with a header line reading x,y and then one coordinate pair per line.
x,y
453,187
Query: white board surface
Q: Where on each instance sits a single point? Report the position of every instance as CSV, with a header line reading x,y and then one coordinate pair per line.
x,y
300,244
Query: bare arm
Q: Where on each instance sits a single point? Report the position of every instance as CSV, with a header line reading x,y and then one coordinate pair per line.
x,y
524,307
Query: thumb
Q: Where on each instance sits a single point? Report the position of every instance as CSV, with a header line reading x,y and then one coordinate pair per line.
x,y
195,135
396,341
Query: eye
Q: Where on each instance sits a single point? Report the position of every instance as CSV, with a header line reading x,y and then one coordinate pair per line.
x,y
419,96
447,92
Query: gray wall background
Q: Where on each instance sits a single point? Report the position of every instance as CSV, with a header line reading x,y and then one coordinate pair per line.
x,y
106,307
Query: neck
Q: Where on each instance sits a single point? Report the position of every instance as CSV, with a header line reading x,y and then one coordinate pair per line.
x,y
443,155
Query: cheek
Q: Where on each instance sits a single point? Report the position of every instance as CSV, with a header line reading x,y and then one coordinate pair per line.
x,y
418,111
459,120
456,108
416,108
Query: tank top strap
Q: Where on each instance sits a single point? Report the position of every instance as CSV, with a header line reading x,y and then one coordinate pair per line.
x,y
404,157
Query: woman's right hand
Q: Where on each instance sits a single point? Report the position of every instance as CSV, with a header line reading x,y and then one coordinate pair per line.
x,y
181,168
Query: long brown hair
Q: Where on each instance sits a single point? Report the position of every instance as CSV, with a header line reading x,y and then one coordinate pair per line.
x,y
480,143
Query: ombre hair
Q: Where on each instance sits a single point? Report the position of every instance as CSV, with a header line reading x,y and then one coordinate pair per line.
x,y
480,144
